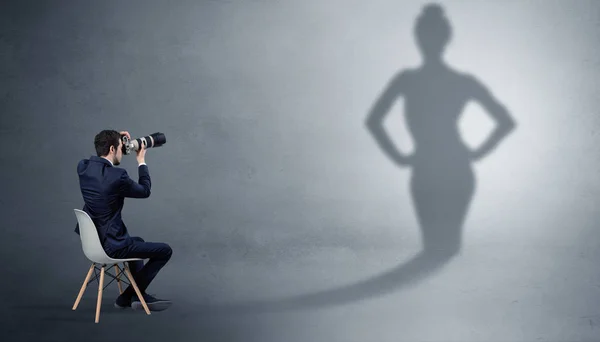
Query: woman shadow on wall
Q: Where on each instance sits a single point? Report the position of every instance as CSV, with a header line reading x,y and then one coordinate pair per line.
x,y
442,182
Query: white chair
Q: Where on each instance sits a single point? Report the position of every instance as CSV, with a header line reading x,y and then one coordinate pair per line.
x,y
93,250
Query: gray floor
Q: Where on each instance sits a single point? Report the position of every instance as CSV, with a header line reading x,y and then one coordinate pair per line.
x,y
477,297
287,221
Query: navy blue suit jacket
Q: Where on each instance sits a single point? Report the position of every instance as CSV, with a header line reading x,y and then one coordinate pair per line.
x,y
104,188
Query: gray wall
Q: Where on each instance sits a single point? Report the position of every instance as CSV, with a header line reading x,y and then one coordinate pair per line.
x,y
287,220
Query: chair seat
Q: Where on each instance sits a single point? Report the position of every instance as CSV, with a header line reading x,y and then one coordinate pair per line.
x,y
90,242
109,261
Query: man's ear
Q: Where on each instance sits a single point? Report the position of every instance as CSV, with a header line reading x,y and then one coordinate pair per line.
x,y
111,149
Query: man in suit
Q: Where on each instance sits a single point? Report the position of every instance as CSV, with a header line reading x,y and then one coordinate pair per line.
x,y
104,188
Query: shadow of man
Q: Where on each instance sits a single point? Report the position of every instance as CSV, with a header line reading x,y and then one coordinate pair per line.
x,y
442,182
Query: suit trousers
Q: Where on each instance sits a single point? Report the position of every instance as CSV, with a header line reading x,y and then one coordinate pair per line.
x,y
158,254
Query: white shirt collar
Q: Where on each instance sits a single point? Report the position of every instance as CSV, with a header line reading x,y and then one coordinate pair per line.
x,y
111,163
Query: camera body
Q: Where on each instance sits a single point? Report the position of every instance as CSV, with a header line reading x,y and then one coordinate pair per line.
x,y
153,140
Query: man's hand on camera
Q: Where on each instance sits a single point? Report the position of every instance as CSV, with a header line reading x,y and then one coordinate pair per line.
x,y
125,133
141,154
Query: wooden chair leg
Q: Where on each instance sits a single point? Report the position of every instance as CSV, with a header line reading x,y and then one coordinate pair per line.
x,y
99,303
118,276
84,286
135,287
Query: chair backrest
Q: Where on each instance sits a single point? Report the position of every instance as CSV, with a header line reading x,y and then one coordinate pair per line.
x,y
90,242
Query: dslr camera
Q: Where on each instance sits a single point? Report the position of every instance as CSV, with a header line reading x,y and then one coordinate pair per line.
x,y
153,140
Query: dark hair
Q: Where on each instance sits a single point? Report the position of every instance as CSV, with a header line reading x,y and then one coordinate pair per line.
x,y
104,140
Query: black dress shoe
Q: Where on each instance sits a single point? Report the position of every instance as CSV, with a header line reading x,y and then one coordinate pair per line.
x,y
123,302
154,304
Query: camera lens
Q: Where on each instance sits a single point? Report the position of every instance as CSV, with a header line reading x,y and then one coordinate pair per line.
x,y
158,138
